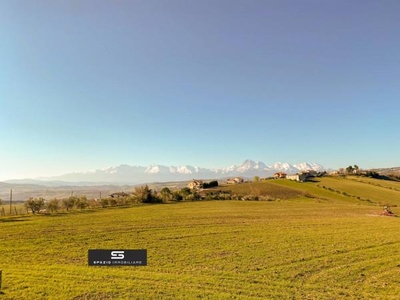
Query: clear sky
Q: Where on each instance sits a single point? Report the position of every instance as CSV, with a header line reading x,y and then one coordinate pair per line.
x,y
90,84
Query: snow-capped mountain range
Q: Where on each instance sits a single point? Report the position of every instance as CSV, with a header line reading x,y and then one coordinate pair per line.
x,y
125,174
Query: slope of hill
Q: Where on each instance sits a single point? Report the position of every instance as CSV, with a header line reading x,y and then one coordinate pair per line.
x,y
353,189
357,190
266,189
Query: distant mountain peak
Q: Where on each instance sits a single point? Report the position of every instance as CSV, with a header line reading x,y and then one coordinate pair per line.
x,y
248,161
126,174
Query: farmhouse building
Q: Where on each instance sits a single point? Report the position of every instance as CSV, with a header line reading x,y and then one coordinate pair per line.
x,y
195,184
235,180
301,177
278,175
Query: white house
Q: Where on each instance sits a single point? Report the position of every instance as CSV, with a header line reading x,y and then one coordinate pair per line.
x,y
301,177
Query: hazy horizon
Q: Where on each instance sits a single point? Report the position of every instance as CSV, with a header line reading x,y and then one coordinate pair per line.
x,y
225,171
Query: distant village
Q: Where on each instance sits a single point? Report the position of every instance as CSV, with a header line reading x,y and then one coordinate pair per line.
x,y
302,176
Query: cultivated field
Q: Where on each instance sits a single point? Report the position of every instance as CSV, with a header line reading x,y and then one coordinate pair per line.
x,y
323,243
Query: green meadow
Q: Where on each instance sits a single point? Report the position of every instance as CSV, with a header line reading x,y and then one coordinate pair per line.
x,y
313,240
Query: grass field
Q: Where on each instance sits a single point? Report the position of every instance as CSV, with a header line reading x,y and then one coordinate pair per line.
x,y
263,188
353,190
328,246
16,209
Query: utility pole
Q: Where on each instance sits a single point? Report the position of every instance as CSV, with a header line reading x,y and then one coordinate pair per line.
x,y
10,201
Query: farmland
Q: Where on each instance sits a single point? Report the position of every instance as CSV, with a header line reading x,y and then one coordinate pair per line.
x,y
314,240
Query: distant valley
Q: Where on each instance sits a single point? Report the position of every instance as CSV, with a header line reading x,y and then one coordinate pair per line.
x,y
101,183
93,184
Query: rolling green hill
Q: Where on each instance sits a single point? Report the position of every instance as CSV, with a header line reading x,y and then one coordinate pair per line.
x,y
316,244
357,190
261,188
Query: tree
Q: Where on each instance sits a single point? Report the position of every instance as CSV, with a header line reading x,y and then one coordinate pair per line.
x,y
131,199
112,201
53,205
35,204
104,202
81,202
177,196
145,195
256,178
349,170
213,183
355,169
194,196
69,202
185,193
166,194
210,184
373,174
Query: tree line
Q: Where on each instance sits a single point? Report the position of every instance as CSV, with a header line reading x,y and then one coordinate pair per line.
x,y
141,194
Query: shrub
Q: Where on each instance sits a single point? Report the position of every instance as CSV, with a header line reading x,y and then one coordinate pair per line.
x,y
35,204
69,202
176,196
81,202
92,203
53,205
145,195
209,185
104,202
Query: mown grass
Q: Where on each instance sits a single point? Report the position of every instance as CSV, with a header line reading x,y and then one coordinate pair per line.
x,y
393,185
312,189
303,248
365,190
262,188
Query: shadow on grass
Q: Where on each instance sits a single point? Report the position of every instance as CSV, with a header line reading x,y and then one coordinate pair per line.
x,y
313,180
11,220
85,211
54,215
64,214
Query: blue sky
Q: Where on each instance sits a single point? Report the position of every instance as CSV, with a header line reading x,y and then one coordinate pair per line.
x,y
91,84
